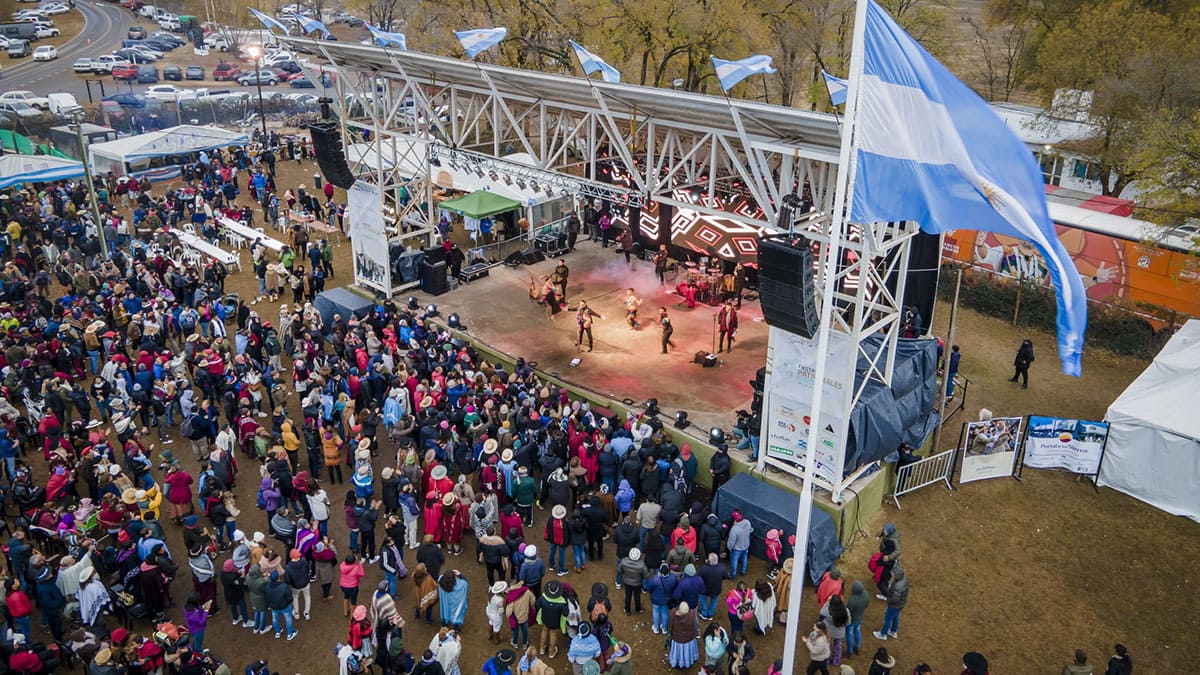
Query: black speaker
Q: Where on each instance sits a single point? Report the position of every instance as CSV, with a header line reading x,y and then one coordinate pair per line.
x,y
436,254
532,256
786,286
514,259
327,146
433,278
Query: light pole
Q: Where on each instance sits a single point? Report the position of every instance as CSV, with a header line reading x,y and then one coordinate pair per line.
x,y
255,52
77,127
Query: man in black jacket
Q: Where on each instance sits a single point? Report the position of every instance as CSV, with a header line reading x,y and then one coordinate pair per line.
x,y
296,575
719,467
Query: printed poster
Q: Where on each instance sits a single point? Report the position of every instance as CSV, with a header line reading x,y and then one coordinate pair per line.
x,y
787,437
372,267
990,450
1057,443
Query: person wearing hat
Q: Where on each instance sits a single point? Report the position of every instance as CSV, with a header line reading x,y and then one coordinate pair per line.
x,y
974,663
557,533
500,664
552,616
452,522
738,544
531,569
584,648
631,570
531,663
495,609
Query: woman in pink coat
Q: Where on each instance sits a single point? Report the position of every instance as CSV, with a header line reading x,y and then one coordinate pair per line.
x,y
179,492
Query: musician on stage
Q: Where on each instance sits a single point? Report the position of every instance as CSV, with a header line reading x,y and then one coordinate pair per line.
x,y
727,323
584,316
550,297
559,277
664,322
687,291
660,264
632,302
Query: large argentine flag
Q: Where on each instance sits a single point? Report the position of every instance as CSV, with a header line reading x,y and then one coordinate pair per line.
x,y
267,20
930,150
475,42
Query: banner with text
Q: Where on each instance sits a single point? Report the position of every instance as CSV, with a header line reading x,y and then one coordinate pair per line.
x,y
1057,443
364,206
791,367
990,450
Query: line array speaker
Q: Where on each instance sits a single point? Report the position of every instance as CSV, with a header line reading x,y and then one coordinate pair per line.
x,y
327,145
787,287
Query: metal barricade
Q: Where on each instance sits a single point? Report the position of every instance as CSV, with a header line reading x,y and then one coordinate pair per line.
x,y
927,471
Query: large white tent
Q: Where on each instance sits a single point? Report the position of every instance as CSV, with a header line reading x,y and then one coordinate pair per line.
x,y
19,169
126,155
1153,450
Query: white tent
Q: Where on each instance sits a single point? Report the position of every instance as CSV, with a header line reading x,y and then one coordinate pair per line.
x,y
17,169
132,153
1153,450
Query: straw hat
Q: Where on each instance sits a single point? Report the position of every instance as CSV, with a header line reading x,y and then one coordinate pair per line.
x,y
129,496
364,445
559,511
499,587
489,446
438,472
507,455
102,657
448,499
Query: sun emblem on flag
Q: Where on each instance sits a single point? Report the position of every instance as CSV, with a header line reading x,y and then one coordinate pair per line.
x,y
993,194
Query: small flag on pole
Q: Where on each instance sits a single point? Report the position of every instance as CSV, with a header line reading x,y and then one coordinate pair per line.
x,y
384,38
477,41
310,25
837,87
592,63
269,21
932,151
732,72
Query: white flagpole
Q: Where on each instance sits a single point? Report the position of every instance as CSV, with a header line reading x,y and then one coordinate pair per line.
x,y
841,209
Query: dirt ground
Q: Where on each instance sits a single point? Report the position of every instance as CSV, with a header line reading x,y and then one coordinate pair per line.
x,y
1023,572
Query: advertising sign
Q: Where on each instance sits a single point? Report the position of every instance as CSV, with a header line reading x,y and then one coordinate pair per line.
x,y
1056,443
364,206
990,450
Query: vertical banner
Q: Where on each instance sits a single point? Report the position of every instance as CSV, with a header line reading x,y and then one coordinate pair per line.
x,y
990,450
1056,443
791,369
364,206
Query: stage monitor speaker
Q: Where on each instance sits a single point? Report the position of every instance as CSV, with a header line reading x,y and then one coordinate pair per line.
x,y
787,287
433,278
532,256
327,146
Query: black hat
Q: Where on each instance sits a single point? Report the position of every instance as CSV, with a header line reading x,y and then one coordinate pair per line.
x,y
975,663
506,657
553,589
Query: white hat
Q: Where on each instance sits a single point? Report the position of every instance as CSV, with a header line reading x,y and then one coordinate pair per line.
x,y
238,535
559,511
530,551
258,537
635,554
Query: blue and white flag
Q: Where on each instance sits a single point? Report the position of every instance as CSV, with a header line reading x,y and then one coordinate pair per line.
x,y
592,63
477,41
384,38
269,21
732,72
309,25
929,150
837,87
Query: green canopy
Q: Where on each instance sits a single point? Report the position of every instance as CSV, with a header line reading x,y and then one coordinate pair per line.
x,y
480,204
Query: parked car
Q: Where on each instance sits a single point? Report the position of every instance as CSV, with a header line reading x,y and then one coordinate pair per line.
x,y
216,41
64,105
106,63
169,23
18,109
43,33
18,48
137,33
355,22
168,37
194,73
27,97
302,83
127,100
226,71
84,65
169,92
134,56
126,72
147,75
173,73
259,77
45,53
54,8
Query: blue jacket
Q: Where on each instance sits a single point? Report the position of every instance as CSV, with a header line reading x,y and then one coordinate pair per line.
x,y
625,495
661,588
689,590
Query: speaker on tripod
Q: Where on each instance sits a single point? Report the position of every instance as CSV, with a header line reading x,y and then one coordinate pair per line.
x,y
327,146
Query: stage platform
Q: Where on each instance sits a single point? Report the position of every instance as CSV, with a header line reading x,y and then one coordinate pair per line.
x,y
626,365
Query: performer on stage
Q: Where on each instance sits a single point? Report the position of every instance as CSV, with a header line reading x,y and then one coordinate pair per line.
x,y
584,316
727,323
550,297
632,302
660,264
559,277
664,321
687,291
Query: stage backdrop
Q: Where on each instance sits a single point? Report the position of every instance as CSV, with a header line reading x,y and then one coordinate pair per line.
x,y
791,365
364,206
990,450
1056,443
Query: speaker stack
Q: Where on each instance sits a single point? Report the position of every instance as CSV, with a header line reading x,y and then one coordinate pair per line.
x,y
787,286
327,146
433,277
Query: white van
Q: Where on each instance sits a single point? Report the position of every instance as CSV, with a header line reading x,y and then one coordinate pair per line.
x,y
149,11
64,105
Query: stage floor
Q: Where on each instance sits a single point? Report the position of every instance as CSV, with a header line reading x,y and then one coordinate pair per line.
x,y
626,364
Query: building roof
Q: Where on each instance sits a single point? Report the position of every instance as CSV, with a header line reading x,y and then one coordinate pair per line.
x,y
1035,126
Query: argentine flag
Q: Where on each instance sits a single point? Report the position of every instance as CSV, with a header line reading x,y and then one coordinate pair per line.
x,y
591,63
477,41
930,150
837,88
268,21
729,73
310,25
384,38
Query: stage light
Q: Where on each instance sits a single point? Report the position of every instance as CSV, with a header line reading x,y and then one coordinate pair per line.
x,y
716,436
651,406
681,420
412,303
430,310
454,322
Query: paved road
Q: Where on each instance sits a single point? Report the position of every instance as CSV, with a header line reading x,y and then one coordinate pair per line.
x,y
106,25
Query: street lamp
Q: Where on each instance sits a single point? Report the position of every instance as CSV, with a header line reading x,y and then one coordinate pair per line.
x,y
76,126
256,53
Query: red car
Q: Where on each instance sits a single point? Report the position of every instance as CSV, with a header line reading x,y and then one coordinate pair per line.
x,y
128,73
226,71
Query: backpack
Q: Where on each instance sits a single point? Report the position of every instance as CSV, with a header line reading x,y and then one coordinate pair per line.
x,y
187,428
187,320
260,502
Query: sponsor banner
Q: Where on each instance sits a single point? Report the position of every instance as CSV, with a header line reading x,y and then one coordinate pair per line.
x,y
990,450
1057,443
364,206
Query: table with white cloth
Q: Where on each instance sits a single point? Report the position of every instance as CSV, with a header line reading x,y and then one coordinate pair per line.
x,y
227,258
250,235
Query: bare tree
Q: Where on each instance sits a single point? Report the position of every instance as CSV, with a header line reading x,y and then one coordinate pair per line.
x,y
999,64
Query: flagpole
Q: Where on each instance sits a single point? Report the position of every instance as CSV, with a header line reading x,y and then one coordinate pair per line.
x,y
841,208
